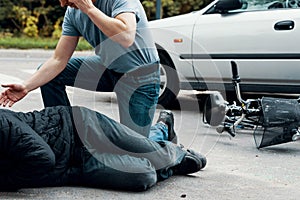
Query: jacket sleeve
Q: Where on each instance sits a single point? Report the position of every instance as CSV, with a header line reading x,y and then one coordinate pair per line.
x,y
26,157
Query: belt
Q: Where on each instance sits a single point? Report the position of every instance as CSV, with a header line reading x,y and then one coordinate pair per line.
x,y
144,70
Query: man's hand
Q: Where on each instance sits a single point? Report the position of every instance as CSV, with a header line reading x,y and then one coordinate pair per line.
x,y
63,3
12,94
83,5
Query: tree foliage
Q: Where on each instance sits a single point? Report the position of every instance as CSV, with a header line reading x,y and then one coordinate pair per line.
x,y
173,7
29,17
43,17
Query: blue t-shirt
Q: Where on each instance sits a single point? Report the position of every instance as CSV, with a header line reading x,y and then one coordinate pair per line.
x,y
112,54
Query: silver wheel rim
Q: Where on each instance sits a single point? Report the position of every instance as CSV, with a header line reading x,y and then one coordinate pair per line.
x,y
163,79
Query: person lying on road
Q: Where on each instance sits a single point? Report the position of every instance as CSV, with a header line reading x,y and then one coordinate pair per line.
x,y
76,146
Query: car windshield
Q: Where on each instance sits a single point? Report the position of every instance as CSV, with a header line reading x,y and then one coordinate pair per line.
x,y
254,5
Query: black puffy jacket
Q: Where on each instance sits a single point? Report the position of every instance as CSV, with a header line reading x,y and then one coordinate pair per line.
x,y
36,148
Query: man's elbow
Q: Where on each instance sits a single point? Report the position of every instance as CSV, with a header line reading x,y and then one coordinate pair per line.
x,y
127,44
126,40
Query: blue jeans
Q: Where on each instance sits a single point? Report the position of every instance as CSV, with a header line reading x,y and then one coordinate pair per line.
x,y
137,93
159,132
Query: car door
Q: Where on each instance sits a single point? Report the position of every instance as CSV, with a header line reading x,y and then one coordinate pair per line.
x,y
264,41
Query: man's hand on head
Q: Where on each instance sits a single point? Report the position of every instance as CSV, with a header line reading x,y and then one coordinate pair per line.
x,y
63,3
83,5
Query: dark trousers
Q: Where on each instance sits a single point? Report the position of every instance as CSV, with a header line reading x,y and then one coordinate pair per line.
x,y
114,156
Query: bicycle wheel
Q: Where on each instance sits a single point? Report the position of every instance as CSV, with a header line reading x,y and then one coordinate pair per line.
x,y
280,119
268,136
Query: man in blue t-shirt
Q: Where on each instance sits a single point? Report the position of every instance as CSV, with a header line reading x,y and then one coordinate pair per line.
x,y
125,60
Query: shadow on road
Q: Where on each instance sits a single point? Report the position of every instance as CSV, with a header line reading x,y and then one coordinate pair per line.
x,y
187,102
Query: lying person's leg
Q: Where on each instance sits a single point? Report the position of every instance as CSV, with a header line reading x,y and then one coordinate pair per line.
x,y
104,135
121,172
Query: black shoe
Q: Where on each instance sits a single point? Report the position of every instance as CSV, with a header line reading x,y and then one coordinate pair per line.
x,y
167,117
199,156
191,163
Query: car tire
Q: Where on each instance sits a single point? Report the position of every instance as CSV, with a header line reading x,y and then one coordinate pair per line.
x,y
169,86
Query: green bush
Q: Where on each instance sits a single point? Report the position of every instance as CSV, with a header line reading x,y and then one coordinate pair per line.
x,y
173,7
31,29
7,41
57,29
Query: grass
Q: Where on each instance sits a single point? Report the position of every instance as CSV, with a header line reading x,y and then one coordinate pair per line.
x,y
36,43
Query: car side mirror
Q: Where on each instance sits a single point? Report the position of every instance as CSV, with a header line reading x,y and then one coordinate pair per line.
x,y
224,6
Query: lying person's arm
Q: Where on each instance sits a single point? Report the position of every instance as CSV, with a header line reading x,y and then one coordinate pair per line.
x,y
25,158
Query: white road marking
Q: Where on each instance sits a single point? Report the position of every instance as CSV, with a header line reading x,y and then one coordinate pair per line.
x,y
6,79
29,71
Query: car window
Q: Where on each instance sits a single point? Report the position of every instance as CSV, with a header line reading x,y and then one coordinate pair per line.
x,y
257,5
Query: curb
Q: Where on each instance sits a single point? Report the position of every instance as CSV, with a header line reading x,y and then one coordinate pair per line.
x,y
35,53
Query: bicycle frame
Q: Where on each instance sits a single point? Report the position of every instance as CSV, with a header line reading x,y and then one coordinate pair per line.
x,y
251,114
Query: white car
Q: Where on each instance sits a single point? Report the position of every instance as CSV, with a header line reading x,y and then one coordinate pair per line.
x,y
261,36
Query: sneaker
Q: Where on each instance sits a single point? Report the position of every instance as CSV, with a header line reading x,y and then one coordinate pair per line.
x,y
167,117
191,163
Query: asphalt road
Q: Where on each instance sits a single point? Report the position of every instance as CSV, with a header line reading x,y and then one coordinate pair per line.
x,y
235,168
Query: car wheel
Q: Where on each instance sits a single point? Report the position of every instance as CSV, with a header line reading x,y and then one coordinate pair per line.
x,y
169,86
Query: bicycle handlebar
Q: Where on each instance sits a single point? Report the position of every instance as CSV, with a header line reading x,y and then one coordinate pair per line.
x,y
236,80
235,75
